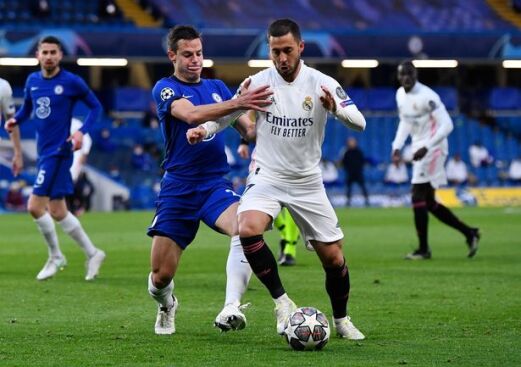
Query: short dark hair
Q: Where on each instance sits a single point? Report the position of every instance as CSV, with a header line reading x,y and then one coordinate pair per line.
x,y
181,32
281,27
50,39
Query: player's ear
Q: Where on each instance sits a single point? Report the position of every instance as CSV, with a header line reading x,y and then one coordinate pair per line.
x,y
171,55
301,46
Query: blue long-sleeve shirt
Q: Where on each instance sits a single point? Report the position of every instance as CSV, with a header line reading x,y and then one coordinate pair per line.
x,y
51,102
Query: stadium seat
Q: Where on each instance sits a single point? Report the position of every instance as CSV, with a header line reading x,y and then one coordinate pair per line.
x,y
505,98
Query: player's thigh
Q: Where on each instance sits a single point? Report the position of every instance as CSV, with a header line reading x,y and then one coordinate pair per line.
x,y
219,210
164,257
314,214
227,221
260,203
177,212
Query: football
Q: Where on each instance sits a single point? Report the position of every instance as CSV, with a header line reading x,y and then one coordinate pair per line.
x,y
307,329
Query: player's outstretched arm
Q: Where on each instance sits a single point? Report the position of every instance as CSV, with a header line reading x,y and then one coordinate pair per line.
x,y
17,163
349,115
255,99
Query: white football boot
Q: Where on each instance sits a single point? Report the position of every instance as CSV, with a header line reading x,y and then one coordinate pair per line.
x,y
93,264
51,267
345,329
282,312
165,321
231,317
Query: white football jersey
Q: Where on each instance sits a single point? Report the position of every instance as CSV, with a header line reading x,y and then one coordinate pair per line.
x,y
6,98
424,117
290,134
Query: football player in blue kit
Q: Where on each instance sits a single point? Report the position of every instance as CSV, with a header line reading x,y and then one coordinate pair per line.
x,y
193,188
50,95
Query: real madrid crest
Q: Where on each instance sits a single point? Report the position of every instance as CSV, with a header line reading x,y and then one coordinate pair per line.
x,y
307,105
58,89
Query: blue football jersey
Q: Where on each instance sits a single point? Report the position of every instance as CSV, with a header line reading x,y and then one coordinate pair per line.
x,y
190,162
51,102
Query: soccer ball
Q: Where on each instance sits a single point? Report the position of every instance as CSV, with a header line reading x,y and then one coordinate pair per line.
x,y
307,329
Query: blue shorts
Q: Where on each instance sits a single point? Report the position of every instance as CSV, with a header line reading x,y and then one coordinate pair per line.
x,y
54,177
182,205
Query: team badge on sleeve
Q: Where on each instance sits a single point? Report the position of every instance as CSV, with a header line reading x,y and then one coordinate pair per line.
x,y
432,105
167,93
341,93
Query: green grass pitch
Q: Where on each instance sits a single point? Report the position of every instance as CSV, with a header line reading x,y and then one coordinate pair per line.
x,y
449,311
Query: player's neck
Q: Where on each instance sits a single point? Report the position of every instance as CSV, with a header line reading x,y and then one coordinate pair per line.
x,y
291,78
50,74
186,80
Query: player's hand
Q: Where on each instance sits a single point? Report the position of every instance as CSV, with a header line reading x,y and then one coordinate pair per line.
x,y
243,151
17,164
77,140
196,135
327,100
10,124
255,99
419,154
396,155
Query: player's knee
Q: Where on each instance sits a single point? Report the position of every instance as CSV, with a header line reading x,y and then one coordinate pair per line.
x,y
35,210
161,278
248,227
57,213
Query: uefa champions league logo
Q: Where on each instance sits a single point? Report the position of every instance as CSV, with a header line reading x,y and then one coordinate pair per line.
x,y
166,93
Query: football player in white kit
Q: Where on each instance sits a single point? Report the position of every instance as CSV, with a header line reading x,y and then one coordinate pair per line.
x,y
424,117
285,172
8,110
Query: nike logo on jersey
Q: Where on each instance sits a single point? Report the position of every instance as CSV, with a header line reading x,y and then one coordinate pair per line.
x,y
244,261
34,88
187,97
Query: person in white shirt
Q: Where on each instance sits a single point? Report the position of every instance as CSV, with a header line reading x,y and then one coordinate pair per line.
x,y
514,171
424,117
479,155
285,172
396,173
457,171
7,109
80,155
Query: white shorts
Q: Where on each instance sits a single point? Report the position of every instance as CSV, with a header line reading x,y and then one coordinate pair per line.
x,y
430,169
307,203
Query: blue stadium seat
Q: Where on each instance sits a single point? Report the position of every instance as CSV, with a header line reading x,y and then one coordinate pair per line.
x,y
505,98
449,97
131,99
381,99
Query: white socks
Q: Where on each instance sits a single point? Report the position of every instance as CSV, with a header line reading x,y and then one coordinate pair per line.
x,y
162,296
46,226
238,273
72,226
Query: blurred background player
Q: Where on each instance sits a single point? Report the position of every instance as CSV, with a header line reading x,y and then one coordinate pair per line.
x,y
289,237
79,201
289,232
353,162
193,188
50,94
423,116
7,109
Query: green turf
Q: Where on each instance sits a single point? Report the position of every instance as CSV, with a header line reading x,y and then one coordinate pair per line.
x,y
449,311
